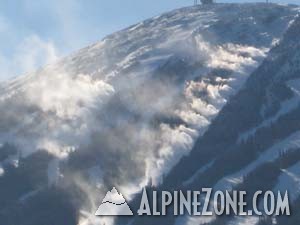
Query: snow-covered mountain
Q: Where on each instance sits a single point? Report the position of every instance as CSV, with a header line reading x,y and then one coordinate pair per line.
x,y
253,143
143,104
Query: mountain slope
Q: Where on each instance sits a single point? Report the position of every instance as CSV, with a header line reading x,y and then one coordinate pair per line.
x,y
253,144
135,101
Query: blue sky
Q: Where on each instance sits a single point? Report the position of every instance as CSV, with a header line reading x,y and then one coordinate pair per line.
x,y
34,33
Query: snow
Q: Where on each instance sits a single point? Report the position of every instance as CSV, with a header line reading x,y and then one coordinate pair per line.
x,y
12,160
53,172
295,86
66,106
289,181
91,76
28,195
194,220
285,107
198,173
230,181
96,176
244,220
2,171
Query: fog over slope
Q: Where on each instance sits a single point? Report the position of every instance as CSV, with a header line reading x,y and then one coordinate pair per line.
x,y
126,109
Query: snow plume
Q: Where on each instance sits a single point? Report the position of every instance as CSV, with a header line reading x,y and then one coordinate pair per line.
x,y
133,121
175,142
235,57
29,54
70,97
55,111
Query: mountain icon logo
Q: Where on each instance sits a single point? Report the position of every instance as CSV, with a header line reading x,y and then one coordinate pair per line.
x,y
114,204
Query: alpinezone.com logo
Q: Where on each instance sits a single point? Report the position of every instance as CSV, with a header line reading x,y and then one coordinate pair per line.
x,y
205,202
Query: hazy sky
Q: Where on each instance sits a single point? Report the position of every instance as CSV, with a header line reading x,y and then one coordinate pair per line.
x,y
33,33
